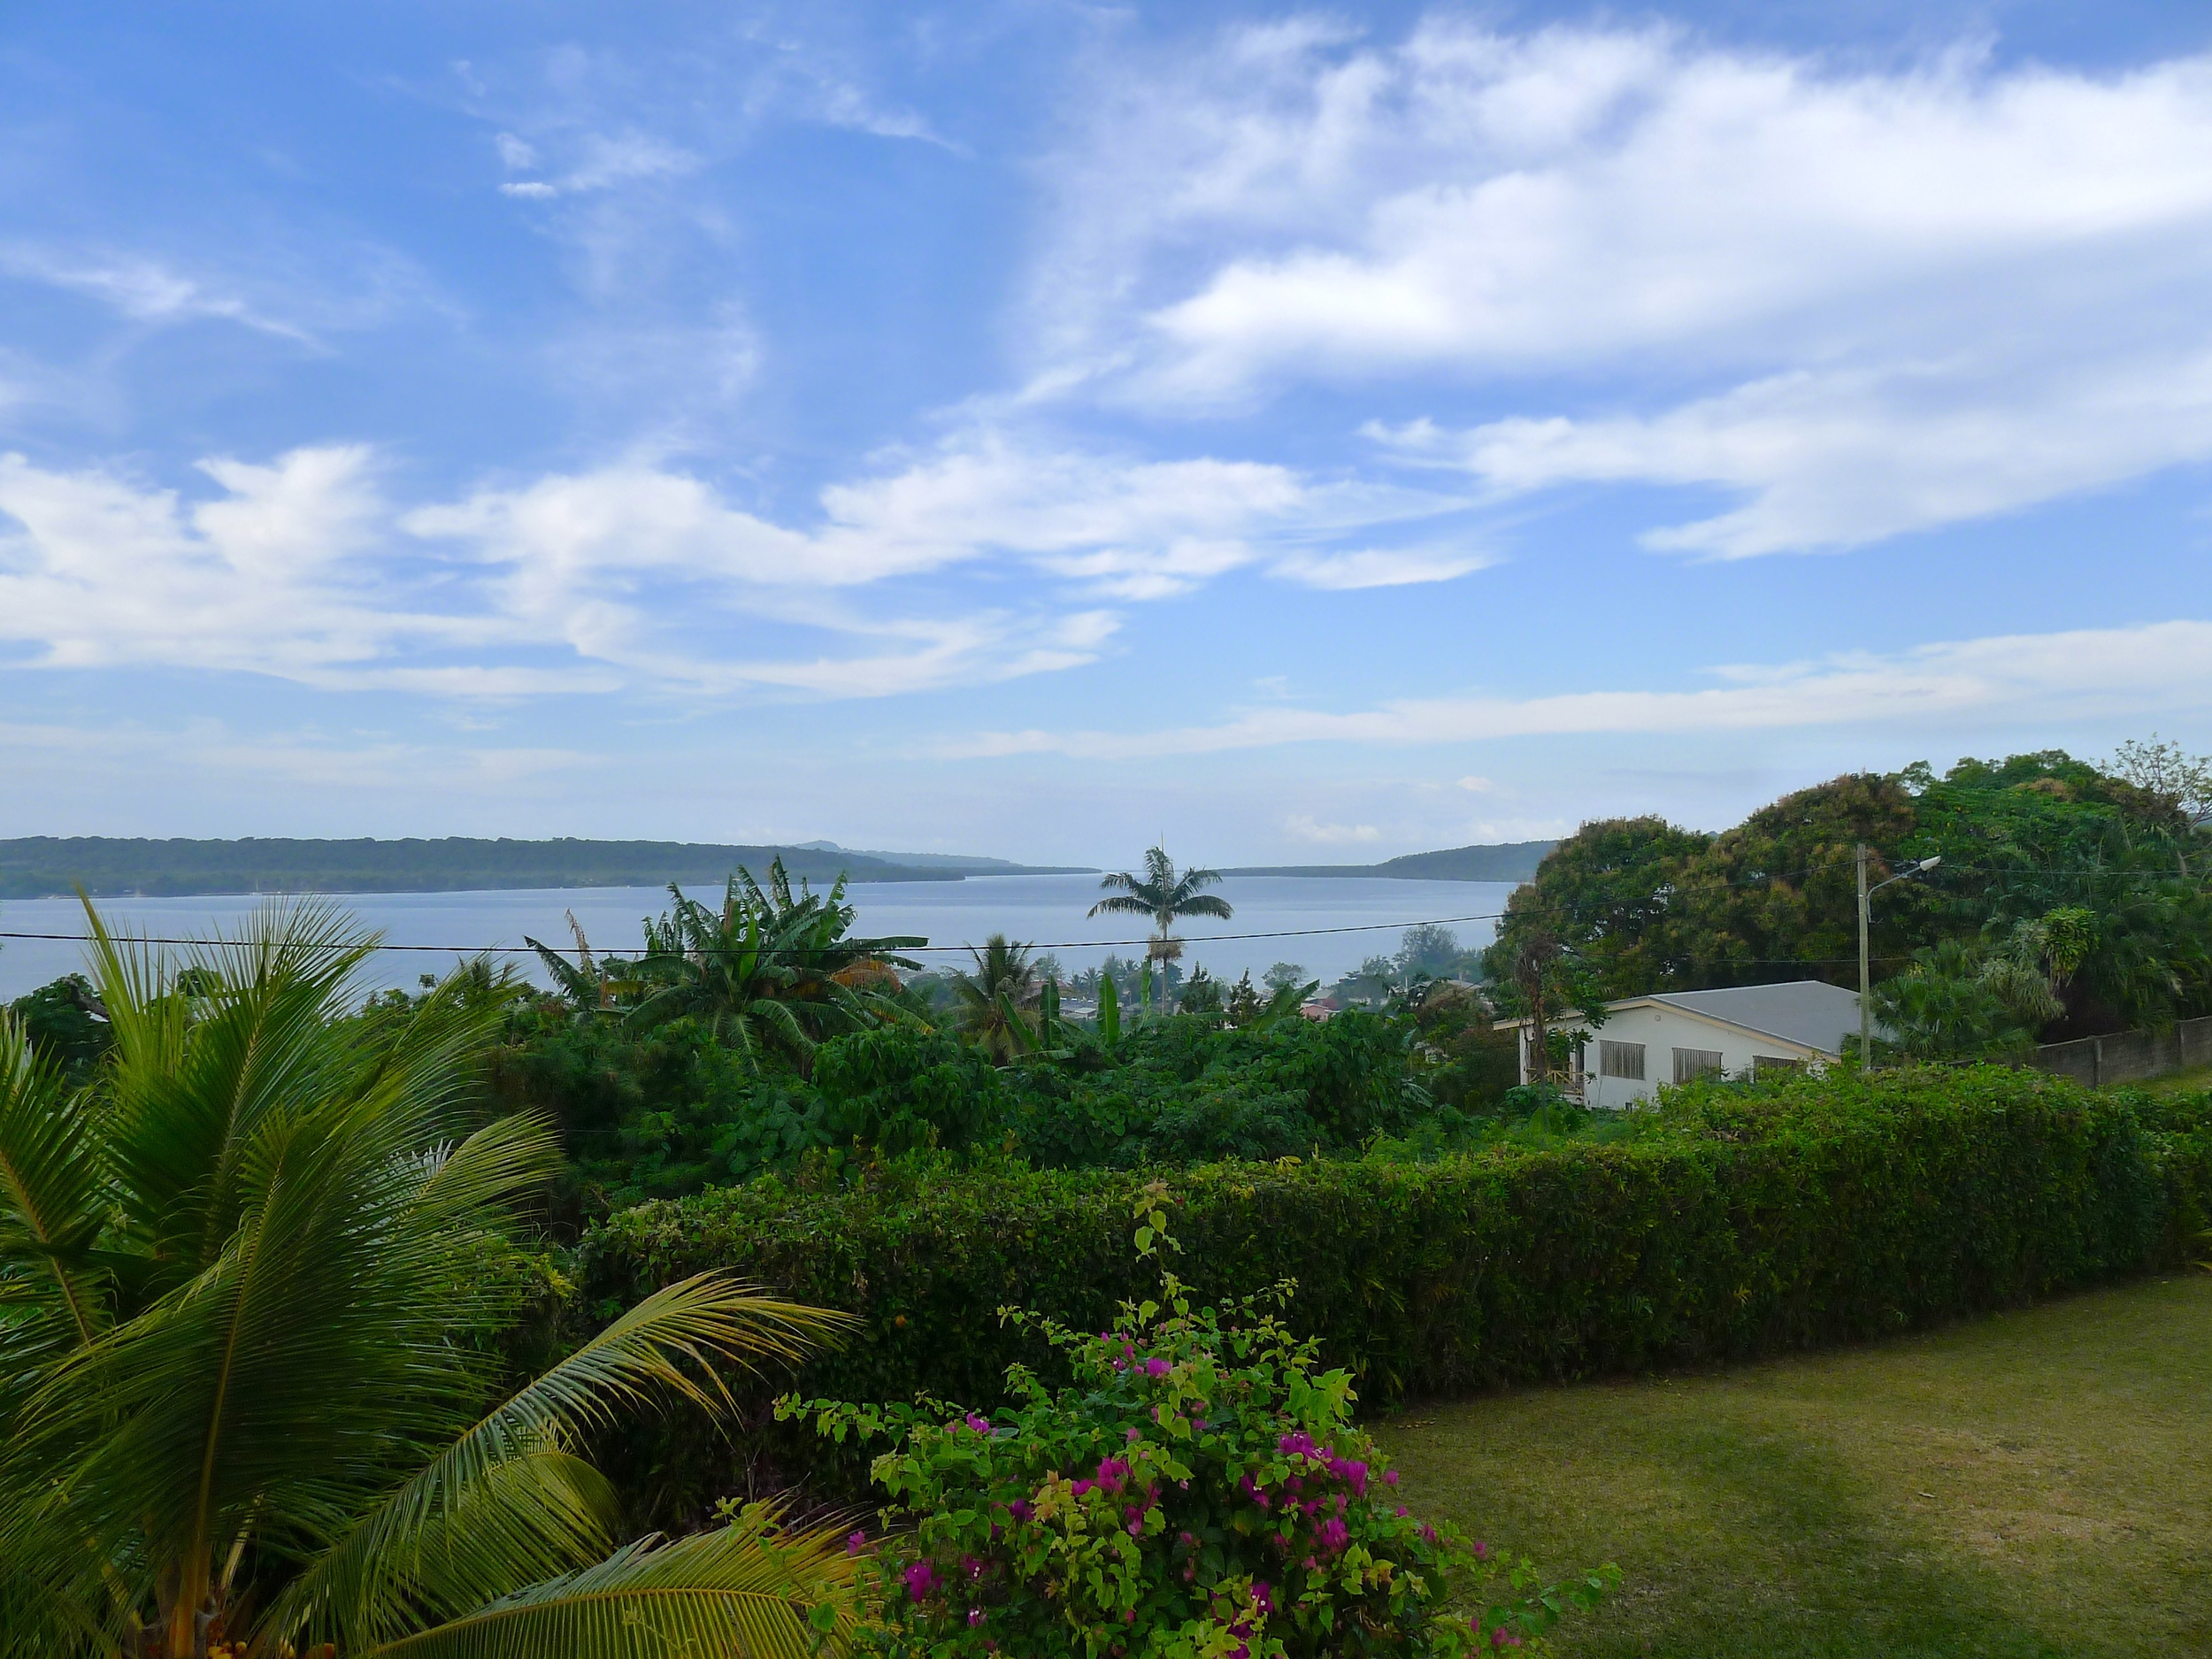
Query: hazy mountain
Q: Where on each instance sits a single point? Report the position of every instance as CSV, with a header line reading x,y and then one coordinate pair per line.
x,y
967,863
1511,861
40,866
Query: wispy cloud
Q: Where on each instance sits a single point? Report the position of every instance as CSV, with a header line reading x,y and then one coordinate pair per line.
x,y
1859,301
1306,828
143,290
602,162
2092,673
637,574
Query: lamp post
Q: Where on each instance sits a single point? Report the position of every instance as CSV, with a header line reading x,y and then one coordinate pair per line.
x,y
1866,990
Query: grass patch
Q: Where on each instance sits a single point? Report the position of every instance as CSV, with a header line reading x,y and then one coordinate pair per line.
x,y
2034,1485
2196,1080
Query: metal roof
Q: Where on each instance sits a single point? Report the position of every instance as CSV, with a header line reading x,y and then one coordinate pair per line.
x,y
1807,1012
1810,1013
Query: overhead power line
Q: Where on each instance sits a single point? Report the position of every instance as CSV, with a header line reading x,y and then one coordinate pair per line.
x,y
570,950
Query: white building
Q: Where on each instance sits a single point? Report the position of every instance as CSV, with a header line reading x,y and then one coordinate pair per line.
x,y
1674,1036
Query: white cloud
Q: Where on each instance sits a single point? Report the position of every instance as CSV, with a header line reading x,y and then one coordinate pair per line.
x,y
1835,459
1381,567
143,290
602,162
1476,784
2090,673
1303,826
103,572
637,574
1862,301
1119,527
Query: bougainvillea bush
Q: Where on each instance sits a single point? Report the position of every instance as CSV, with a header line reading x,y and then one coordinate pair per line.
x,y
1200,1492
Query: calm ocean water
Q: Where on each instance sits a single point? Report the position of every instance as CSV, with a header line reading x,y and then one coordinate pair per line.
x,y
1045,910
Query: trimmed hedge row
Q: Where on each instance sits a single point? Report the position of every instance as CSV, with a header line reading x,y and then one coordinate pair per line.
x,y
1738,1223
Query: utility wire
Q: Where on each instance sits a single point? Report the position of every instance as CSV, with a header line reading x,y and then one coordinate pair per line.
x,y
570,950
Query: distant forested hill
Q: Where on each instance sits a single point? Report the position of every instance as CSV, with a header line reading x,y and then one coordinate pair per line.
x,y
1511,861
40,866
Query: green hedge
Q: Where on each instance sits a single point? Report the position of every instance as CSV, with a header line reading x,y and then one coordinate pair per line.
x,y
1738,1223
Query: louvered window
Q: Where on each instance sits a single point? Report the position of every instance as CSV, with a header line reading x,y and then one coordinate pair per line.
x,y
1621,1059
1692,1064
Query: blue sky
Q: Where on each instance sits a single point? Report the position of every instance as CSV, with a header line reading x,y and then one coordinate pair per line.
x,y
1035,428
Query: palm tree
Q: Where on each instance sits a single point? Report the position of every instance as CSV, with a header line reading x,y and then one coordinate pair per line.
x,y
250,1284
997,998
1164,897
767,970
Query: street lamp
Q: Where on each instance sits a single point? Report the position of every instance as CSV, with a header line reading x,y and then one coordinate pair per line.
x,y
1866,996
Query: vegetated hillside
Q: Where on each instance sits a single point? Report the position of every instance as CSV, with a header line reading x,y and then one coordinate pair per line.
x,y
966,863
41,866
1509,861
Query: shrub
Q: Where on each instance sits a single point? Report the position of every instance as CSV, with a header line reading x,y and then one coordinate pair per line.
x,y
1229,1509
1738,1221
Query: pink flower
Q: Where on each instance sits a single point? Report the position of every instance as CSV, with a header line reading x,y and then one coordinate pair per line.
x,y
855,1542
1155,1368
1482,1550
921,1579
1019,1508
975,1617
982,1425
1390,1476
1136,1433
1136,1529
1263,1596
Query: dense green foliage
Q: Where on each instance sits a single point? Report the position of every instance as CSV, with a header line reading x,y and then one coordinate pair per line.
x,y
1199,1491
2025,844
64,1024
1736,1220
664,1112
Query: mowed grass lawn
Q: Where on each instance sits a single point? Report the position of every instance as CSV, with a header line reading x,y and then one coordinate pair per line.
x,y
2037,1483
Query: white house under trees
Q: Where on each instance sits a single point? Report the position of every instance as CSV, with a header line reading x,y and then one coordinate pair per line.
x,y
1676,1036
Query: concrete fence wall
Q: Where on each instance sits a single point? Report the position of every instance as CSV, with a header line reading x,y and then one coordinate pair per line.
x,y
2129,1056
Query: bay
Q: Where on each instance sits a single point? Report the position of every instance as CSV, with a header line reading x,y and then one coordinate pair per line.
x,y
1046,911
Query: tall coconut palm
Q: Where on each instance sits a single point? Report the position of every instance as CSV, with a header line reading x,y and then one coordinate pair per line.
x,y
250,1397
996,999
1164,896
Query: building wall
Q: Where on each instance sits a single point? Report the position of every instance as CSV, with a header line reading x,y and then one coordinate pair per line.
x,y
1662,1031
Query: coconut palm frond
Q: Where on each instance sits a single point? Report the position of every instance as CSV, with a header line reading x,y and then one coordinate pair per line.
x,y
1124,904
52,1203
748,1591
